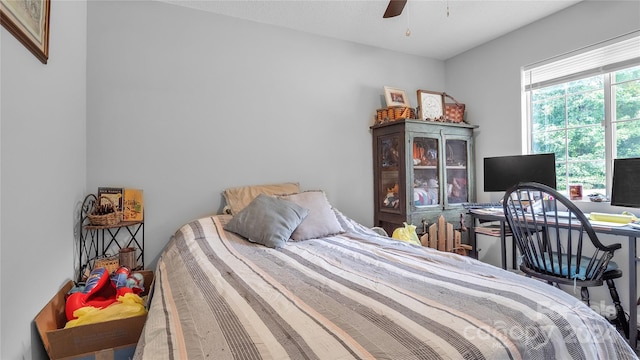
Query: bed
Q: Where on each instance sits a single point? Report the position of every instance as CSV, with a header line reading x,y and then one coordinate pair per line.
x,y
354,294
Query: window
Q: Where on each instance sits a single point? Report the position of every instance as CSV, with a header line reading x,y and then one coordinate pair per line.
x,y
585,109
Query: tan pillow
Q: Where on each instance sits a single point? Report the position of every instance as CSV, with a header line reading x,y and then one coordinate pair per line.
x,y
321,220
239,197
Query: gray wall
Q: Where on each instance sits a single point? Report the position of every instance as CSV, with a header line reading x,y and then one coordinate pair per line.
x,y
487,78
184,103
42,146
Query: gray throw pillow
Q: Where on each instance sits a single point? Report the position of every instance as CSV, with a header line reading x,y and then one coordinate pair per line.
x,y
267,220
321,221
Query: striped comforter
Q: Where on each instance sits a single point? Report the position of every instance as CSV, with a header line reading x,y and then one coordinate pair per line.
x,y
355,296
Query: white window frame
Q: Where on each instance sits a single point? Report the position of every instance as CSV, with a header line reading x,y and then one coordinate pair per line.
x,y
600,59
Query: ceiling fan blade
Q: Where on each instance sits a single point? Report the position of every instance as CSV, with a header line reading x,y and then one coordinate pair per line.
x,y
394,8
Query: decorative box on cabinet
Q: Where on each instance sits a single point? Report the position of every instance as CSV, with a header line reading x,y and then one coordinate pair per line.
x,y
422,170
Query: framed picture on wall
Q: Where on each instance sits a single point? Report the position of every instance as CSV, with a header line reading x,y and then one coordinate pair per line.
x,y
431,104
395,97
28,21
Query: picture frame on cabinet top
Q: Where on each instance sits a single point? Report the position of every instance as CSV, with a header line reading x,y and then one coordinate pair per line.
x,y
430,105
395,97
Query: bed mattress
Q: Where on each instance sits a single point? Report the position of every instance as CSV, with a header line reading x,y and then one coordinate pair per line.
x,y
356,295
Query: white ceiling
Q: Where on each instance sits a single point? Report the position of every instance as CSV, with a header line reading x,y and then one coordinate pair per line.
x,y
440,29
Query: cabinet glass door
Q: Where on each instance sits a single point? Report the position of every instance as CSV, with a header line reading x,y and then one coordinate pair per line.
x,y
456,171
389,157
426,158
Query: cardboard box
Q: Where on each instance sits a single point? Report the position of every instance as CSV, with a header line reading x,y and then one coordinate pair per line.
x,y
86,339
120,353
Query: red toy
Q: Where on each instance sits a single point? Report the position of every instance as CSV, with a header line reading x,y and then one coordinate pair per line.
x,y
100,291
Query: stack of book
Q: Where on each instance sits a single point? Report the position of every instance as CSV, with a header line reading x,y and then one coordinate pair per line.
x,y
129,201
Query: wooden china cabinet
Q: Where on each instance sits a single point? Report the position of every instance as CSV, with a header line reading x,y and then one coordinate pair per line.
x,y
421,170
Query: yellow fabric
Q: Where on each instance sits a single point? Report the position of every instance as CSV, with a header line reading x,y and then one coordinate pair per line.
x,y
614,218
129,305
406,233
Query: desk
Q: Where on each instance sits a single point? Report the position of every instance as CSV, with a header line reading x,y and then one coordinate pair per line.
x,y
484,215
631,233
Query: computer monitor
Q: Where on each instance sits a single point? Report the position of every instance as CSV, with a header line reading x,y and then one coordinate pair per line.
x,y
503,172
626,184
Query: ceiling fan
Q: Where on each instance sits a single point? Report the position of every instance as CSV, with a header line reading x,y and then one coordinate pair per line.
x,y
394,8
